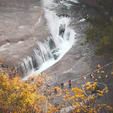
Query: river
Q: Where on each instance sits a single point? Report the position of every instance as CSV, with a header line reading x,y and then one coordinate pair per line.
x,y
60,41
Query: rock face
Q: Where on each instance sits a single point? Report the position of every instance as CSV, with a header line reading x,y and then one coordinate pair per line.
x,y
22,24
17,3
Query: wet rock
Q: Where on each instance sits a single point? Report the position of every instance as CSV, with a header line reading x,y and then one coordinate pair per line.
x,y
4,66
51,44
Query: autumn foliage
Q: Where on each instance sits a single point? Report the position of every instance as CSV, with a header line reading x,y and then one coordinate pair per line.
x,y
16,96
36,96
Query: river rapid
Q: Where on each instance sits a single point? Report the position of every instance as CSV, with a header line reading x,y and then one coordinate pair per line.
x,y
61,55
60,41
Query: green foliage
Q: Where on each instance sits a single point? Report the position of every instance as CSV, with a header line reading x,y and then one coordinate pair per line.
x,y
106,5
93,34
102,27
101,33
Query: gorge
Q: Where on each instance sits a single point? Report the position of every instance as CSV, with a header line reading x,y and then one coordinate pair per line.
x,y
48,36
56,45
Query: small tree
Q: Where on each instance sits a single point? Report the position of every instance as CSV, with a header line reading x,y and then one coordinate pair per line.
x,y
17,96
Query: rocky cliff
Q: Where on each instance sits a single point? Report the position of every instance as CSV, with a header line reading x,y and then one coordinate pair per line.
x,y
17,3
22,24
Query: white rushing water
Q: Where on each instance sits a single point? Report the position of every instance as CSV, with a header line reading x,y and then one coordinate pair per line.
x,y
55,47
4,46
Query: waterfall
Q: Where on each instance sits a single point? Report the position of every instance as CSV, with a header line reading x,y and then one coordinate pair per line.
x,y
54,47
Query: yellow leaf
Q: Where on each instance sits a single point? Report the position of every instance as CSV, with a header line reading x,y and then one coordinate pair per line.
x,y
78,110
98,71
107,76
102,71
98,66
88,83
100,94
109,108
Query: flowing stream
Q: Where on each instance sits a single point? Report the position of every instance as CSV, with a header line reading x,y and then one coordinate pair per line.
x,y
57,44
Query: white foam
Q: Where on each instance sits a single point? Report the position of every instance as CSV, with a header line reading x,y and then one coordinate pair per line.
x,y
4,47
20,42
21,27
74,1
63,44
35,7
82,20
